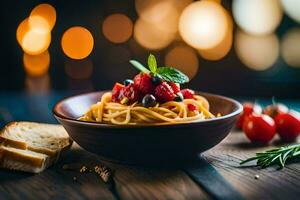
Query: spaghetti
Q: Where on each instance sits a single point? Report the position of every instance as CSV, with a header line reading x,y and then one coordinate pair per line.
x,y
107,111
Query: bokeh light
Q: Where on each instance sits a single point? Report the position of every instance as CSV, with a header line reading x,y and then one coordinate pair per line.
x,y
77,42
43,11
151,36
39,24
35,42
79,69
257,52
162,12
217,1
292,9
36,65
117,28
290,47
221,50
38,85
183,58
22,29
203,24
257,17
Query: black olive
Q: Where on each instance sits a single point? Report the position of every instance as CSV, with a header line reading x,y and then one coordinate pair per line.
x,y
128,82
149,101
179,97
156,80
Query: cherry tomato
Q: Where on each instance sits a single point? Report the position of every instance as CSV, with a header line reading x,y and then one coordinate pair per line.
x,y
248,108
259,128
275,109
288,125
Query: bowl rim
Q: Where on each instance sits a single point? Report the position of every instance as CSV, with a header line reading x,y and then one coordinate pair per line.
x,y
97,124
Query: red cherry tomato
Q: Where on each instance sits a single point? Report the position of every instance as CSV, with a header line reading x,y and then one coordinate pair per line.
x,y
275,109
259,128
288,125
248,108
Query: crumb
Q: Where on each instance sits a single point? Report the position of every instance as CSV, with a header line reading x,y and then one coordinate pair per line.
x,y
103,172
83,169
256,176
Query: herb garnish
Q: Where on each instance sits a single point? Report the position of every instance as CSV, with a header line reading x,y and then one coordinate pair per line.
x,y
277,156
167,73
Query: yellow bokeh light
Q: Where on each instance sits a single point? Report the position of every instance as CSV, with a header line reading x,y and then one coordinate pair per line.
x,y
38,85
257,52
117,28
222,49
183,58
203,24
79,69
151,36
256,16
36,65
292,8
35,42
43,11
39,24
77,42
290,47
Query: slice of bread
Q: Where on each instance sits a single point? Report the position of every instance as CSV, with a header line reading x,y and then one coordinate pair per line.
x,y
23,160
32,147
38,137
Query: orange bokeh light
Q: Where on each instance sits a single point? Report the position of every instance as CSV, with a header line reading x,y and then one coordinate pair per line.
x,y
33,40
35,43
43,11
22,29
77,42
117,28
151,36
36,65
183,58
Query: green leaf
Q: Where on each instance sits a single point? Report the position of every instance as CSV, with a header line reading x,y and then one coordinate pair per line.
x,y
152,63
139,66
275,156
172,75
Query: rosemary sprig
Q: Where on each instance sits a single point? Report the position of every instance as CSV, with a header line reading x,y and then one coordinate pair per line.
x,y
275,156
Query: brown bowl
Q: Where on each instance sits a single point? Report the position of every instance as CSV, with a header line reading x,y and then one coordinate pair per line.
x,y
146,144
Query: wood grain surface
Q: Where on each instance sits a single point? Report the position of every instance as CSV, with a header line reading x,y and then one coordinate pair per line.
x,y
130,182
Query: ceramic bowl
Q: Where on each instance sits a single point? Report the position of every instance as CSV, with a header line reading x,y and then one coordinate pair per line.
x,y
146,144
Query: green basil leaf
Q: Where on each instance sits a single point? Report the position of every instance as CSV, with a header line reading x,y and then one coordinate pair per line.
x,y
172,75
139,66
152,63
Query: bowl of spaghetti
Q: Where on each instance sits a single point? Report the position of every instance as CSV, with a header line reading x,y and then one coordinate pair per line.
x,y
148,120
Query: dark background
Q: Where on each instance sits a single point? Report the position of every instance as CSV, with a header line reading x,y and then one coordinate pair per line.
x,y
227,76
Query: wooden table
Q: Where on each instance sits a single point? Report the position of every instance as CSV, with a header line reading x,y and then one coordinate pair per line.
x,y
136,183
130,182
